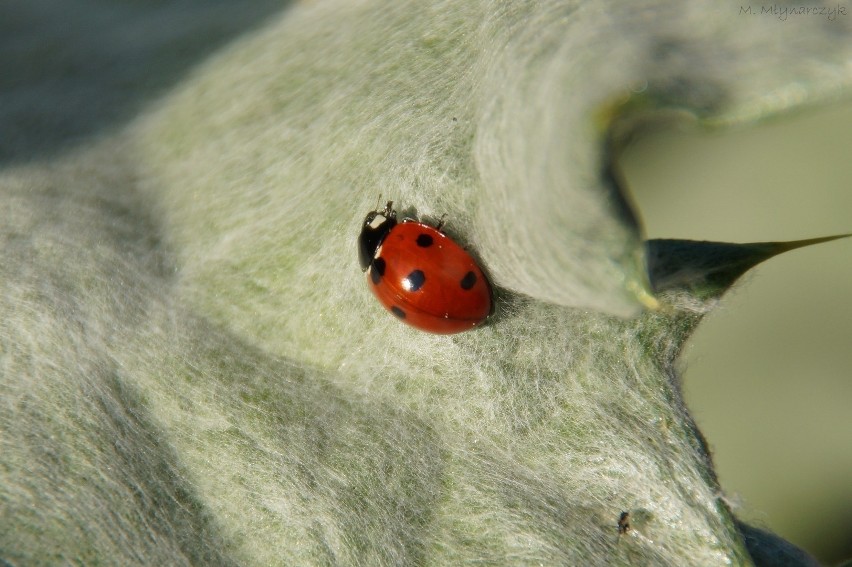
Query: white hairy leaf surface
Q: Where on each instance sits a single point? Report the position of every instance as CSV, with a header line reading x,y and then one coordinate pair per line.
x,y
194,370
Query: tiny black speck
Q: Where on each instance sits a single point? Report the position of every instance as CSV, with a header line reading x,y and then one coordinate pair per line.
x,y
416,279
424,241
398,312
377,270
468,281
624,523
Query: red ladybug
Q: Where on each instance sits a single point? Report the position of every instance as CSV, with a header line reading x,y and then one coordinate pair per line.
x,y
421,275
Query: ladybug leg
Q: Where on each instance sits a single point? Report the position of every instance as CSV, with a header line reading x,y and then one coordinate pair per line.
x,y
441,222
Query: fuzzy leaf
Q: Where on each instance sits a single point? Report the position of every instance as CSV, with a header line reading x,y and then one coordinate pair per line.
x,y
193,369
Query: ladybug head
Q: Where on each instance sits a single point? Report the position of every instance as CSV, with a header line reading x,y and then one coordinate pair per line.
x,y
376,226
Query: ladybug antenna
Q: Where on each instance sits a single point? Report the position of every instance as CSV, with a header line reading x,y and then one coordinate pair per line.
x,y
379,200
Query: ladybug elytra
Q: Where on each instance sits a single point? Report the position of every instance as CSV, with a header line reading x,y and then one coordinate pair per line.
x,y
421,275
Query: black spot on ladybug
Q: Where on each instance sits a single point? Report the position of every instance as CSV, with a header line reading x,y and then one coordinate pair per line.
x,y
414,281
468,281
398,312
377,270
424,241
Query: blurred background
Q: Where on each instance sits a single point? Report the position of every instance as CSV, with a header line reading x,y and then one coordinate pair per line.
x,y
768,375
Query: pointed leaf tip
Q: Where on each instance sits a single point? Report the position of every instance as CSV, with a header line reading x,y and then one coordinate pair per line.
x,y
708,269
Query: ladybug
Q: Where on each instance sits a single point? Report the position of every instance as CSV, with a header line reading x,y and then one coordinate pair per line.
x,y
421,275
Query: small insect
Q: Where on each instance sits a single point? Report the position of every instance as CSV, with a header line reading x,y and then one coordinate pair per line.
x,y
623,523
421,275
